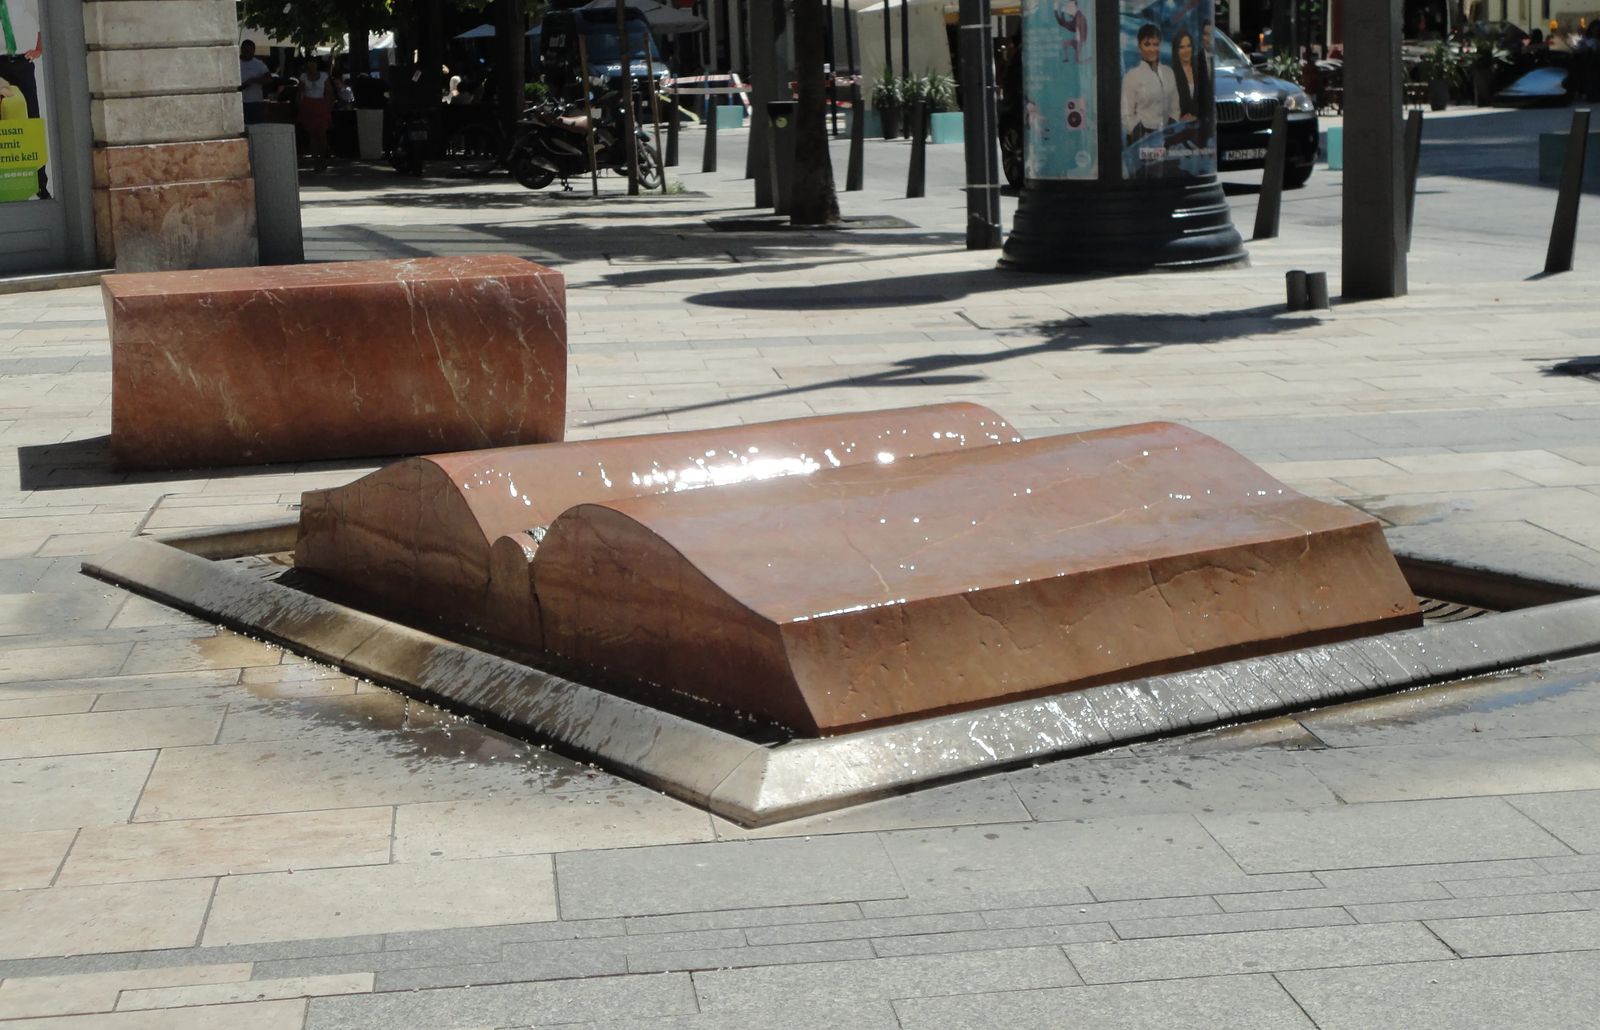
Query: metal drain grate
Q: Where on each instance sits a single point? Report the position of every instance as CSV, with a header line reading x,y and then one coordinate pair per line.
x,y
1435,610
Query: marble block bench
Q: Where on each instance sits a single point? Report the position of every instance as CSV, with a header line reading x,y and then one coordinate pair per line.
x,y
241,366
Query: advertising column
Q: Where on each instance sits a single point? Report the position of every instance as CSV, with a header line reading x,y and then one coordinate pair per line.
x,y
23,146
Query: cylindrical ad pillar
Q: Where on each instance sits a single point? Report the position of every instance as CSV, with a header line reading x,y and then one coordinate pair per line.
x,y
1119,140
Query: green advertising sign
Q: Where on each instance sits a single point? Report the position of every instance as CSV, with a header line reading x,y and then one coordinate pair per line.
x,y
22,154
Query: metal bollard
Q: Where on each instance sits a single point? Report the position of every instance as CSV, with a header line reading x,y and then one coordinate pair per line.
x,y
1564,231
1272,179
917,174
858,140
670,158
1294,283
1317,291
708,160
1413,158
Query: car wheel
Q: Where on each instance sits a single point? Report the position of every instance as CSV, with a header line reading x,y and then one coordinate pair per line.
x,y
1295,176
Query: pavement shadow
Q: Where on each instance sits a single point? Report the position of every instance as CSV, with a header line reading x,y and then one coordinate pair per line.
x,y
879,293
1106,334
88,462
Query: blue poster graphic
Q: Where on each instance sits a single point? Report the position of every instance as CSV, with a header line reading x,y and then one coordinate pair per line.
x,y
1168,115
1059,109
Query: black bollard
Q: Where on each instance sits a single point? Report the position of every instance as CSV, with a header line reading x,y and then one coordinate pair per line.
x,y
1271,198
1564,232
708,160
917,175
858,140
1413,158
670,158
1317,291
1294,285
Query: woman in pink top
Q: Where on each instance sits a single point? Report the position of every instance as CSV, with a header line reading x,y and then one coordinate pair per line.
x,y
315,113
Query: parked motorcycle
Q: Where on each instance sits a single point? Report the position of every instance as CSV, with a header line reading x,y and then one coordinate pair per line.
x,y
552,143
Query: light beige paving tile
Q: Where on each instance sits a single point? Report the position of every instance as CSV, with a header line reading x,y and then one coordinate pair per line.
x,y
108,731
290,670
23,996
354,769
225,650
545,824
987,800
45,612
29,860
250,990
45,704
265,1015
382,899
106,917
1475,461
61,545
72,790
230,694
346,710
116,684
240,844
1456,769
64,662
139,612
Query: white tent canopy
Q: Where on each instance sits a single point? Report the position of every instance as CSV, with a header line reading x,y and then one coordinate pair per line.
x,y
930,45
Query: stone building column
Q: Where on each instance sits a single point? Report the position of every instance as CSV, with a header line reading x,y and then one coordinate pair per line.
x,y
172,182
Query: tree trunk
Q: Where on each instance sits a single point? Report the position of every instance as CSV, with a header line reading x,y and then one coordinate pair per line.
x,y
358,25
814,201
511,22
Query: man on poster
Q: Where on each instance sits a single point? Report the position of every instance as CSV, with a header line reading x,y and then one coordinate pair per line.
x,y
19,27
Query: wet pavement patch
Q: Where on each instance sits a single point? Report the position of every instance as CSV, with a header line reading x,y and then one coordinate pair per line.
x,y
236,577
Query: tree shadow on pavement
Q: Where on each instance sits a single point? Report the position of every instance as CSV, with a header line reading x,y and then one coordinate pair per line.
x,y
1106,334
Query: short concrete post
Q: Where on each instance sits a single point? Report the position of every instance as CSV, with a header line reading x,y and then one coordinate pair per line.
x,y
708,159
277,175
1413,159
917,173
1294,283
1271,201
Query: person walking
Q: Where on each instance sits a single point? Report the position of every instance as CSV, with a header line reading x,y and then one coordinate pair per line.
x,y
315,113
19,26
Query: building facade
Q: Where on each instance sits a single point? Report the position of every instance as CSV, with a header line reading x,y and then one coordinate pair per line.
x,y
122,137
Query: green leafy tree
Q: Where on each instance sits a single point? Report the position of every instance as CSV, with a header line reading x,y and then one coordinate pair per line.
x,y
814,201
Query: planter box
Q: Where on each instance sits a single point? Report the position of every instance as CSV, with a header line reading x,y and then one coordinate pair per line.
x,y
1335,148
948,127
872,128
1553,157
730,116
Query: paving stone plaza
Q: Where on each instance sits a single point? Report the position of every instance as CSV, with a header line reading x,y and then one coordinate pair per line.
x,y
202,830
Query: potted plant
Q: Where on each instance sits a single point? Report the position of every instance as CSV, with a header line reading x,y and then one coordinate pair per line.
x,y
1441,68
945,122
1487,58
888,99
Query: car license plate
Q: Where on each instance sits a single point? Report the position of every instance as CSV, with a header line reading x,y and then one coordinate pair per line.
x,y
417,134
1247,154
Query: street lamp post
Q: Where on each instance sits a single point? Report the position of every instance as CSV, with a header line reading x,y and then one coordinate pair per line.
x,y
1120,140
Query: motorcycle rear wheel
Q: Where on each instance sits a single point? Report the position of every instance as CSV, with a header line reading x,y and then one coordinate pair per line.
x,y
529,174
649,167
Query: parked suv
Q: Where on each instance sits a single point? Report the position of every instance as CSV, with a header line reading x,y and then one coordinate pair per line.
x,y
1247,98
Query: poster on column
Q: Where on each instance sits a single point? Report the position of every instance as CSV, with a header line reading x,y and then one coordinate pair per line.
x,y
1059,118
1168,114
22,110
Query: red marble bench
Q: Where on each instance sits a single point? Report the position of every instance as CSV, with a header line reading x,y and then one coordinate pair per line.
x,y
449,537
247,365
882,592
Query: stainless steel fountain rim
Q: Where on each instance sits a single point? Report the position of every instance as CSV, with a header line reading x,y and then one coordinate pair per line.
x,y
756,785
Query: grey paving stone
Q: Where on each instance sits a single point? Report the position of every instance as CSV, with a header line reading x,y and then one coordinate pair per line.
x,y
727,875
1230,922
1554,883
1139,785
558,965
684,940
1389,876
1457,769
1384,833
1573,816
1175,884
884,978
375,961
1236,1002
1478,994
991,940
1164,853
741,917
1046,915
532,1004
476,936
1520,934
882,926
972,901
1168,958
1324,897
1452,908
818,1014
767,955
118,960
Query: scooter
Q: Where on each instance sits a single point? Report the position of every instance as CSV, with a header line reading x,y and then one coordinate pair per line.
x,y
552,142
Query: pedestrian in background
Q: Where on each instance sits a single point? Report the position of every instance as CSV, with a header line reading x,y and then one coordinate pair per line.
x,y
315,111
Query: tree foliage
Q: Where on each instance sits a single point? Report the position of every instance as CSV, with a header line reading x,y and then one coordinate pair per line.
x,y
309,24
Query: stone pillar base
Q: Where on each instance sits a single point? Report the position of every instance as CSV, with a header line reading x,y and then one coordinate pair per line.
x,y
174,205
1086,228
